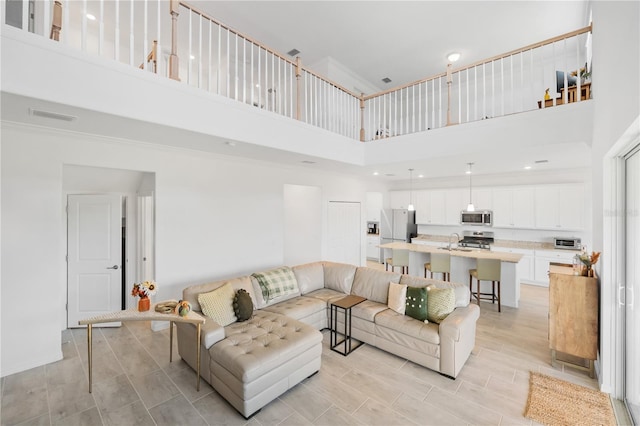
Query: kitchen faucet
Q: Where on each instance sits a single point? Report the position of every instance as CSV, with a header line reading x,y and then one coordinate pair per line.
x,y
457,239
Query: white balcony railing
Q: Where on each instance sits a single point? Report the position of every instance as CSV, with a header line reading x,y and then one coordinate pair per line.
x,y
176,40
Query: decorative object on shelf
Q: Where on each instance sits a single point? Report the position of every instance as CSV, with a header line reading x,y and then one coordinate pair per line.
x,y
166,307
585,74
547,96
183,308
144,290
589,260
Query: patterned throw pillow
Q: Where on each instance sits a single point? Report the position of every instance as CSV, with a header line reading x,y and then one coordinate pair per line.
x,y
218,304
416,306
276,282
397,297
440,303
242,305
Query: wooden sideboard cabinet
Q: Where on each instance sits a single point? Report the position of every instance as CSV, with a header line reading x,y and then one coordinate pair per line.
x,y
573,316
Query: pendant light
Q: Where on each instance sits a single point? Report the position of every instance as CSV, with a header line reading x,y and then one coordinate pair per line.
x,y
470,206
411,207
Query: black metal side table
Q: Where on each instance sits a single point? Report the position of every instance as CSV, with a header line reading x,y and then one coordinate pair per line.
x,y
346,303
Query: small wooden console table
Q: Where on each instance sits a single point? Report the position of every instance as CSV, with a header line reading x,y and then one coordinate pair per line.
x,y
346,303
150,315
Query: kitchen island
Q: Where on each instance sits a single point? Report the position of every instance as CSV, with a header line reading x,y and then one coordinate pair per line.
x,y
463,259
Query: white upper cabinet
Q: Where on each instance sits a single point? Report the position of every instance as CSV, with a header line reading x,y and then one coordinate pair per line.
x,y
481,198
559,207
513,207
399,199
434,207
374,205
454,204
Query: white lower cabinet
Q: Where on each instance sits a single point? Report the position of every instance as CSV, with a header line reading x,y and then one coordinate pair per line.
x,y
525,266
373,251
542,260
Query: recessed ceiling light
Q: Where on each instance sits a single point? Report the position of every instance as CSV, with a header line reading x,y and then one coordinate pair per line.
x,y
453,56
386,80
191,57
91,17
420,176
527,167
376,173
468,172
258,86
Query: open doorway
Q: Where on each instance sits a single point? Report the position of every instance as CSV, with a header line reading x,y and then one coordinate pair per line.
x,y
110,238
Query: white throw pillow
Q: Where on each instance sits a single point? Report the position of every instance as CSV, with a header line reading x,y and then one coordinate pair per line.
x,y
218,304
397,297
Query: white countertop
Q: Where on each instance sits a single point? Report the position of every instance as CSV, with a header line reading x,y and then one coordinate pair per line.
x,y
470,253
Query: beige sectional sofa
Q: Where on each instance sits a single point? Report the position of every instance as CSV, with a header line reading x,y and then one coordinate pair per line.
x,y
251,363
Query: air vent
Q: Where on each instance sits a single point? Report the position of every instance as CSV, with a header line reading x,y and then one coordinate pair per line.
x,y
308,162
541,161
389,174
293,52
53,115
386,80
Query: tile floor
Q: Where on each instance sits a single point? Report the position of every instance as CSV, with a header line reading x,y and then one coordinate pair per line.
x,y
134,383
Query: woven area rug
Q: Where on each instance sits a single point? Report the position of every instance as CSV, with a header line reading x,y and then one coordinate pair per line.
x,y
553,401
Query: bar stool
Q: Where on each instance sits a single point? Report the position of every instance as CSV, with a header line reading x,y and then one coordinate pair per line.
x,y
487,270
440,263
400,257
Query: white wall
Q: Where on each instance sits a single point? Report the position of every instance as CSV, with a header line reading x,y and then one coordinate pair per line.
x,y
302,224
216,217
616,51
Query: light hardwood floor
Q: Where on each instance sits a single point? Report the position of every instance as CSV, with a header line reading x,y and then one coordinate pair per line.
x,y
134,383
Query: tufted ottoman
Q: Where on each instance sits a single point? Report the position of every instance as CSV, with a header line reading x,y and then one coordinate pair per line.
x,y
262,358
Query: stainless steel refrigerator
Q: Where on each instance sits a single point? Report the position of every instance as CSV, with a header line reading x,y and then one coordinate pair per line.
x,y
397,226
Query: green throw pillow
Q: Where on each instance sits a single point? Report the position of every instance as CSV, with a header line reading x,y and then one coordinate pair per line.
x,y
440,303
242,305
416,303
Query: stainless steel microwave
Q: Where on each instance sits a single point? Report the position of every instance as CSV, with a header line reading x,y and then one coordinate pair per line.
x,y
480,217
571,243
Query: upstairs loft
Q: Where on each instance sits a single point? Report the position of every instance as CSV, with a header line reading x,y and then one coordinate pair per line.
x,y
230,80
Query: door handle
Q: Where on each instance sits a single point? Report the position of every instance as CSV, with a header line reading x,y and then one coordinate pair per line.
x,y
112,267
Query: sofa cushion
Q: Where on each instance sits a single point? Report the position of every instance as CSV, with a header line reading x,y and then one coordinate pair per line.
x,y
462,290
255,347
218,304
190,294
339,276
310,277
368,310
404,324
416,306
242,305
299,307
326,295
373,284
440,303
276,283
397,297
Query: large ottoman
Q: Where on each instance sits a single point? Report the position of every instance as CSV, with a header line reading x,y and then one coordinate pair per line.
x,y
262,358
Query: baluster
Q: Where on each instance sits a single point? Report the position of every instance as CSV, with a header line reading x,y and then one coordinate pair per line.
x,y
46,17
228,60
219,63
83,35
25,15
145,32
244,71
484,91
459,97
131,32
65,23
468,84
199,58
260,84
251,84
475,91
189,47
502,85
158,59
236,69
101,29
578,73
521,81
493,89
209,55
440,102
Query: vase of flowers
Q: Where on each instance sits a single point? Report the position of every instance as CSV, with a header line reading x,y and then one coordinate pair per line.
x,y
144,290
588,260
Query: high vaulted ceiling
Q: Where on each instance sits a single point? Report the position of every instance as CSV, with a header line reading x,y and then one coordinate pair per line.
x,y
403,40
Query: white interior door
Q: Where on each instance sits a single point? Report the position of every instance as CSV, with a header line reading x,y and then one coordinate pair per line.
x,y
632,278
94,251
345,231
